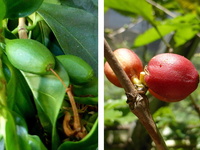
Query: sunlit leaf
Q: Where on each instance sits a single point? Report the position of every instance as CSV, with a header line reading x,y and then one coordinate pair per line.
x,y
75,30
181,38
48,93
187,24
187,28
152,34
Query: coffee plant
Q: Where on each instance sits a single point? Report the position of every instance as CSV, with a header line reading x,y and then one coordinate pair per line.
x,y
48,75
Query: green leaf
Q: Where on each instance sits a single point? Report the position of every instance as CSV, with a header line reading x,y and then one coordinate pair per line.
x,y
140,7
35,143
117,111
115,103
48,94
87,5
52,1
187,28
111,115
183,35
23,105
14,131
152,35
75,30
188,24
41,32
21,8
90,142
2,12
10,74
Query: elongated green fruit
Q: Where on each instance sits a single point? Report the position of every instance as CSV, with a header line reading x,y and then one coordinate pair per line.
x,y
78,70
29,56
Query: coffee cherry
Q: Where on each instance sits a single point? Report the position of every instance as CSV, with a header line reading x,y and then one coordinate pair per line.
x,y
30,56
130,63
171,77
79,71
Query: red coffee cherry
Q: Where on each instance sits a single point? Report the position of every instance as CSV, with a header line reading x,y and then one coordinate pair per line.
x,y
171,77
130,63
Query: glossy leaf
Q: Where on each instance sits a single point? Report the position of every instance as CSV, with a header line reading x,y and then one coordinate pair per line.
x,y
139,7
48,93
90,142
75,30
181,38
35,143
10,75
15,132
23,105
43,34
21,8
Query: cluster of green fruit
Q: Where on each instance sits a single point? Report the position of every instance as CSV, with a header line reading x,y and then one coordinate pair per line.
x,y
33,57
169,77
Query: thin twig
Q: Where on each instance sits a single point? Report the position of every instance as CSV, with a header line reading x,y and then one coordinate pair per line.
x,y
138,103
123,29
170,49
161,8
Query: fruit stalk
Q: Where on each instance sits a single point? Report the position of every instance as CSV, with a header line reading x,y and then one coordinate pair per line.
x,y
138,103
22,31
77,123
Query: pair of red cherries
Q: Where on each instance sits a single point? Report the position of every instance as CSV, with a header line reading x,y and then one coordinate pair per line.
x,y
169,77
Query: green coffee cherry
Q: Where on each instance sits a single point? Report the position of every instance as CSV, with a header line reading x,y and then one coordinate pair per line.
x,y
90,89
78,70
29,56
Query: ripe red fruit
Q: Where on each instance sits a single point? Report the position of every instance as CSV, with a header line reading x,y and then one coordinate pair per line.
x,y
130,63
171,77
